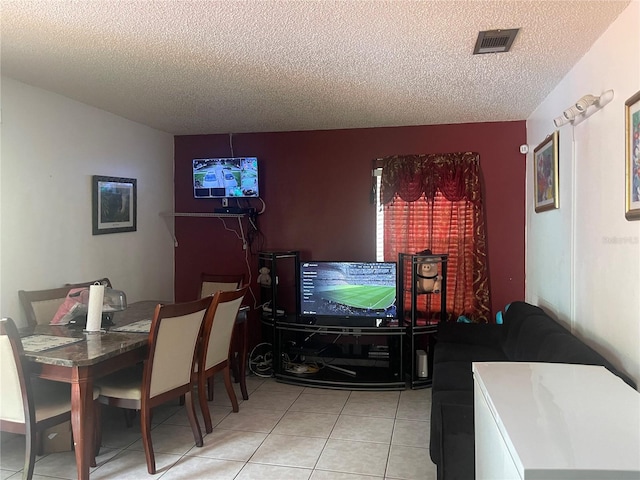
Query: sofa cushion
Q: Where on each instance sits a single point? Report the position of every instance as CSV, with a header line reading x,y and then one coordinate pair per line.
x,y
462,352
513,324
489,335
520,310
438,399
457,443
533,331
452,376
566,348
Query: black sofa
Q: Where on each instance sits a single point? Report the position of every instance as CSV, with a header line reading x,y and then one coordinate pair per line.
x,y
526,335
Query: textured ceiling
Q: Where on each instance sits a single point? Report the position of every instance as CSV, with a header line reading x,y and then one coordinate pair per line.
x,y
192,67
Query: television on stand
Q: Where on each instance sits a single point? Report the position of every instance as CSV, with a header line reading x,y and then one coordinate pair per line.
x,y
349,294
347,302
231,177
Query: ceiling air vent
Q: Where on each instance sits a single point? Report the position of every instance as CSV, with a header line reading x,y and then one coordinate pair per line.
x,y
495,41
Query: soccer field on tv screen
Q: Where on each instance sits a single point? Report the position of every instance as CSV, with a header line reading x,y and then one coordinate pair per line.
x,y
362,296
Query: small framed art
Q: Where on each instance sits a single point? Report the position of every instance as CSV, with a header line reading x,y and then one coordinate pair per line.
x,y
545,174
114,205
632,169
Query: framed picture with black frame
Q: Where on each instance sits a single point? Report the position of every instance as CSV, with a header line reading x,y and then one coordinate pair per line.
x,y
632,169
545,174
114,205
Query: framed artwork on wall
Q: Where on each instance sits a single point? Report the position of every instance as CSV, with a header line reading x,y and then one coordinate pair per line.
x,y
545,174
114,205
632,169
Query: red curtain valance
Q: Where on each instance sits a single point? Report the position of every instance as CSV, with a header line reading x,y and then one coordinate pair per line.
x,y
455,175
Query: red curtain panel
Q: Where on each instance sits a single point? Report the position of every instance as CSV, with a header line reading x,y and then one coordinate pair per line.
x,y
434,201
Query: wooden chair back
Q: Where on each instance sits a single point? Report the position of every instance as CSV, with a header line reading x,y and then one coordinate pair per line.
x,y
29,408
218,327
211,283
16,409
173,338
215,347
40,306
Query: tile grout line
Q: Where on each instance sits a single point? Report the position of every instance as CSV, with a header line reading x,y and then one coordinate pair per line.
x,y
315,465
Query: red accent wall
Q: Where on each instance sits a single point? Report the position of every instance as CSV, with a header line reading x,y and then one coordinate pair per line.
x,y
316,186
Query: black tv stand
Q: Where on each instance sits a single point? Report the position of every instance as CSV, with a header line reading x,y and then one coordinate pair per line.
x,y
342,356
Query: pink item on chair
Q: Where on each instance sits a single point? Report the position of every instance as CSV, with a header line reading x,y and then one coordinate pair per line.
x,y
77,298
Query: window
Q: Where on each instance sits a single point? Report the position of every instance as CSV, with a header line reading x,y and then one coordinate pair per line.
x,y
435,202
379,218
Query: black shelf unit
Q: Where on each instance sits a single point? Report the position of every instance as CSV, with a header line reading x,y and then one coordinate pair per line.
x,y
347,357
422,314
281,295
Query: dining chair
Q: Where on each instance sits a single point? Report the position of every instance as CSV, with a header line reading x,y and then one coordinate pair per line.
x,y
40,306
213,355
30,405
166,373
209,284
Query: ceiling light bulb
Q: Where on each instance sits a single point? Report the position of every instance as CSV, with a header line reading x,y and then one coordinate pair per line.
x,y
559,121
571,112
585,102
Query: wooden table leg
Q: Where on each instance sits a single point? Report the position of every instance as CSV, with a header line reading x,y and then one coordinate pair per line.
x,y
82,420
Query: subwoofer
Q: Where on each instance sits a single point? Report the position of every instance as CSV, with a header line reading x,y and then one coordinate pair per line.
x,y
421,364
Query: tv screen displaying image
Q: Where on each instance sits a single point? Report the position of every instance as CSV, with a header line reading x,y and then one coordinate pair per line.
x,y
225,177
348,289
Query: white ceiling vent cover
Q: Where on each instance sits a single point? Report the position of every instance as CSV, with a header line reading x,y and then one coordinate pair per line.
x,y
495,41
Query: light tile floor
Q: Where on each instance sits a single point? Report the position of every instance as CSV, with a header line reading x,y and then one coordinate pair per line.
x,y
282,432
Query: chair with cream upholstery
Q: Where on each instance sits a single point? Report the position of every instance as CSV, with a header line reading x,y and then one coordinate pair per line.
x,y
29,405
167,372
40,306
210,284
215,346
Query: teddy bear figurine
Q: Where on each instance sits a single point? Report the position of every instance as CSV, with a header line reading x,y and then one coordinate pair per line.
x,y
264,278
428,279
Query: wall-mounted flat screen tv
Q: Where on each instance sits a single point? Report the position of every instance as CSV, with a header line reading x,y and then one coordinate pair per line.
x,y
348,289
225,177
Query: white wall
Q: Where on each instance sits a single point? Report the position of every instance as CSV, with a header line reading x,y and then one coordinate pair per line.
x,y
51,147
583,260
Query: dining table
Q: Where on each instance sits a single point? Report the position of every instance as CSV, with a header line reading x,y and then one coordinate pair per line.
x,y
72,355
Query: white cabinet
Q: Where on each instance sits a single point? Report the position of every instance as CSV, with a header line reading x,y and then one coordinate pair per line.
x,y
554,421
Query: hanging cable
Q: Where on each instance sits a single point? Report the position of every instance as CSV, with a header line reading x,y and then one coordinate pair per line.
x,y
231,144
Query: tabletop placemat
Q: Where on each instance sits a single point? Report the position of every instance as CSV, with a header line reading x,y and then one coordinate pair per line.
x,y
39,343
141,326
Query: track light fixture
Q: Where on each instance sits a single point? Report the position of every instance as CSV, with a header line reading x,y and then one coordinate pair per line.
x,y
585,102
578,111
